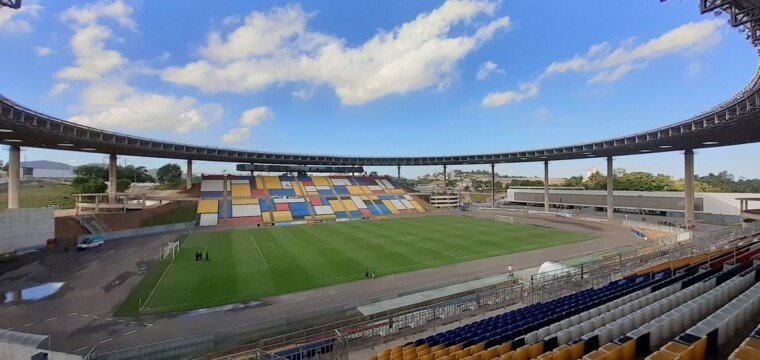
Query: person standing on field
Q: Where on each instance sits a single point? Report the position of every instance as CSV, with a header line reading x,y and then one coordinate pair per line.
x,y
366,273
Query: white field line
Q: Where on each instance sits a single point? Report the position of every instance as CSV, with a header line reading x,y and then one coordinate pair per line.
x,y
165,271
259,249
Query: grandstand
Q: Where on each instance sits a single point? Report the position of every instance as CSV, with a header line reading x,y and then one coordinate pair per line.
x,y
300,199
693,298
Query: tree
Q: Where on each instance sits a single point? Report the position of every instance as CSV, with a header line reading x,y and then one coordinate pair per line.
x,y
574,181
123,184
88,185
96,171
169,174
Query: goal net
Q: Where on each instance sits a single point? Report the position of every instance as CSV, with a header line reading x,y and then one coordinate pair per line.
x,y
504,218
170,250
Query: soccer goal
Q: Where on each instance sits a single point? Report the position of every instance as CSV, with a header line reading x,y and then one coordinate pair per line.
x,y
170,250
504,218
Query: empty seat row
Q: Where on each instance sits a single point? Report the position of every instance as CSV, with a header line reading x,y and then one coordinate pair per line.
x,y
499,329
652,334
613,319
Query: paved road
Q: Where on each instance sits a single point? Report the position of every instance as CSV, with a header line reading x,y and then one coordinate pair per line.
x,y
80,315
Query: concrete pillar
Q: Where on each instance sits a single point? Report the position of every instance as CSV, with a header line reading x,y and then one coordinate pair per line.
x,y
398,168
493,185
14,176
688,182
112,174
445,185
224,197
189,173
546,185
610,203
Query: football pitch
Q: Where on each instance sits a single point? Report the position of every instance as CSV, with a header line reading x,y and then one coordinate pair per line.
x,y
254,263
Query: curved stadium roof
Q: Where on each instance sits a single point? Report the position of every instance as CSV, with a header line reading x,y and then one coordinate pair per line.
x,y
735,121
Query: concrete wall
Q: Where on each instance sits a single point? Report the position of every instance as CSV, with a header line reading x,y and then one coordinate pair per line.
x,y
20,352
23,229
128,233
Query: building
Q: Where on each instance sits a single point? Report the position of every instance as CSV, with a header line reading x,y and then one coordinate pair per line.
x,y
593,170
719,208
618,171
43,169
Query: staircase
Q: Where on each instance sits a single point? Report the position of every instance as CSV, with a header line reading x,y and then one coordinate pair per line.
x,y
92,223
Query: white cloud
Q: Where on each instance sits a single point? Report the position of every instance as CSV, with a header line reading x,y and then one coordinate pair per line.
x,y
42,51
609,65
58,89
116,10
526,90
608,76
486,69
231,20
114,104
235,135
107,99
304,93
276,47
694,68
256,116
17,21
92,58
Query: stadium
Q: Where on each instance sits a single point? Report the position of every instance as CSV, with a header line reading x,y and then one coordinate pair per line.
x,y
300,256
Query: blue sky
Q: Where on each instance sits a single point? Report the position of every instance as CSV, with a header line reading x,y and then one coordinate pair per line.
x,y
382,78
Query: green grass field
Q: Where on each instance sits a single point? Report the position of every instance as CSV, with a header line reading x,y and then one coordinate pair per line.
x,y
42,194
251,264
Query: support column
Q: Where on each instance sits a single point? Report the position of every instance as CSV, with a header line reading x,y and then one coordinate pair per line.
x,y
112,177
398,178
688,182
14,176
224,197
610,204
445,185
189,173
493,185
546,185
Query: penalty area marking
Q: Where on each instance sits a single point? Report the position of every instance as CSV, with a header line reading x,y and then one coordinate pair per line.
x,y
259,249
165,271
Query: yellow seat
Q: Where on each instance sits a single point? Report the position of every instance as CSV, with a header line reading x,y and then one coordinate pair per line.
x,y
661,355
577,350
505,348
477,356
752,343
628,350
456,348
611,351
682,351
423,352
491,353
523,353
438,347
546,356
374,357
509,355
412,355
441,353
562,352
428,357
536,349
594,355
461,354
478,347
745,353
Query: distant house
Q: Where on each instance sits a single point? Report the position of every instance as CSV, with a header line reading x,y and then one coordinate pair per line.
x,y
43,169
